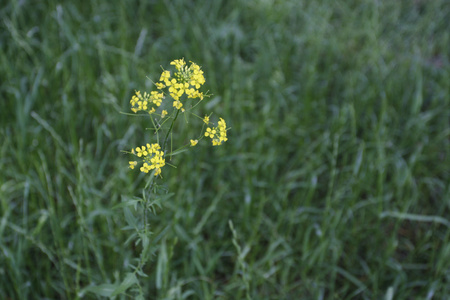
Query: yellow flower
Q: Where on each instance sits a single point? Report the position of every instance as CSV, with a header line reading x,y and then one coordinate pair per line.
x,y
177,104
217,134
210,132
156,98
141,102
178,63
165,75
194,142
132,164
163,113
140,151
152,158
155,147
145,168
206,119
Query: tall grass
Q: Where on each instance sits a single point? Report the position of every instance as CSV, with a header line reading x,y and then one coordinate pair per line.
x,y
334,183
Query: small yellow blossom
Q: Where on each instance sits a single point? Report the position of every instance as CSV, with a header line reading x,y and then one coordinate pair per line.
x,y
186,79
179,63
141,102
140,151
217,134
163,113
165,75
177,104
152,158
194,142
209,132
156,98
206,119
145,168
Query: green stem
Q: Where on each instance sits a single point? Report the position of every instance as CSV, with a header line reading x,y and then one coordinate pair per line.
x,y
170,130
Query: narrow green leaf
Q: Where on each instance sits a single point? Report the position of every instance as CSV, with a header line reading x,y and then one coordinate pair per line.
x,y
129,280
104,290
129,217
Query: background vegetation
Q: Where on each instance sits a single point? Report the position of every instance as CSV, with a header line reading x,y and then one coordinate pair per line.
x,y
335,176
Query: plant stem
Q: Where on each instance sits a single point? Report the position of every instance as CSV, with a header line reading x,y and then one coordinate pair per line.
x,y
170,130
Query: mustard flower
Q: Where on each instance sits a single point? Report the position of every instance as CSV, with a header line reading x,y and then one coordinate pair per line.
x,y
156,98
217,134
194,142
186,80
163,113
152,158
141,102
141,152
206,119
211,132
165,76
178,63
177,104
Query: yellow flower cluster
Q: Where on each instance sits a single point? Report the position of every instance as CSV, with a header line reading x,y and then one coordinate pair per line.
x,y
152,158
217,134
183,83
186,80
141,102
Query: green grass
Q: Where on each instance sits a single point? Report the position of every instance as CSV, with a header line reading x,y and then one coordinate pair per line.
x,y
334,183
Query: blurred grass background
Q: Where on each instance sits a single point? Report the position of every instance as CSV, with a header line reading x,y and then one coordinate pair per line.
x,y
335,175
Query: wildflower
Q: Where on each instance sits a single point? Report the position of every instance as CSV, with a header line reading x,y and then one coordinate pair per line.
x,y
209,132
165,76
156,98
178,63
152,158
141,102
145,168
217,134
190,92
140,152
222,130
196,94
132,164
186,80
197,78
177,104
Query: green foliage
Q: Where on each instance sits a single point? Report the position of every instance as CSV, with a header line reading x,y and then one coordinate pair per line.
x,y
333,183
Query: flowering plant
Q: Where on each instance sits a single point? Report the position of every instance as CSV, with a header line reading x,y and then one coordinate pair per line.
x,y
181,86
181,89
